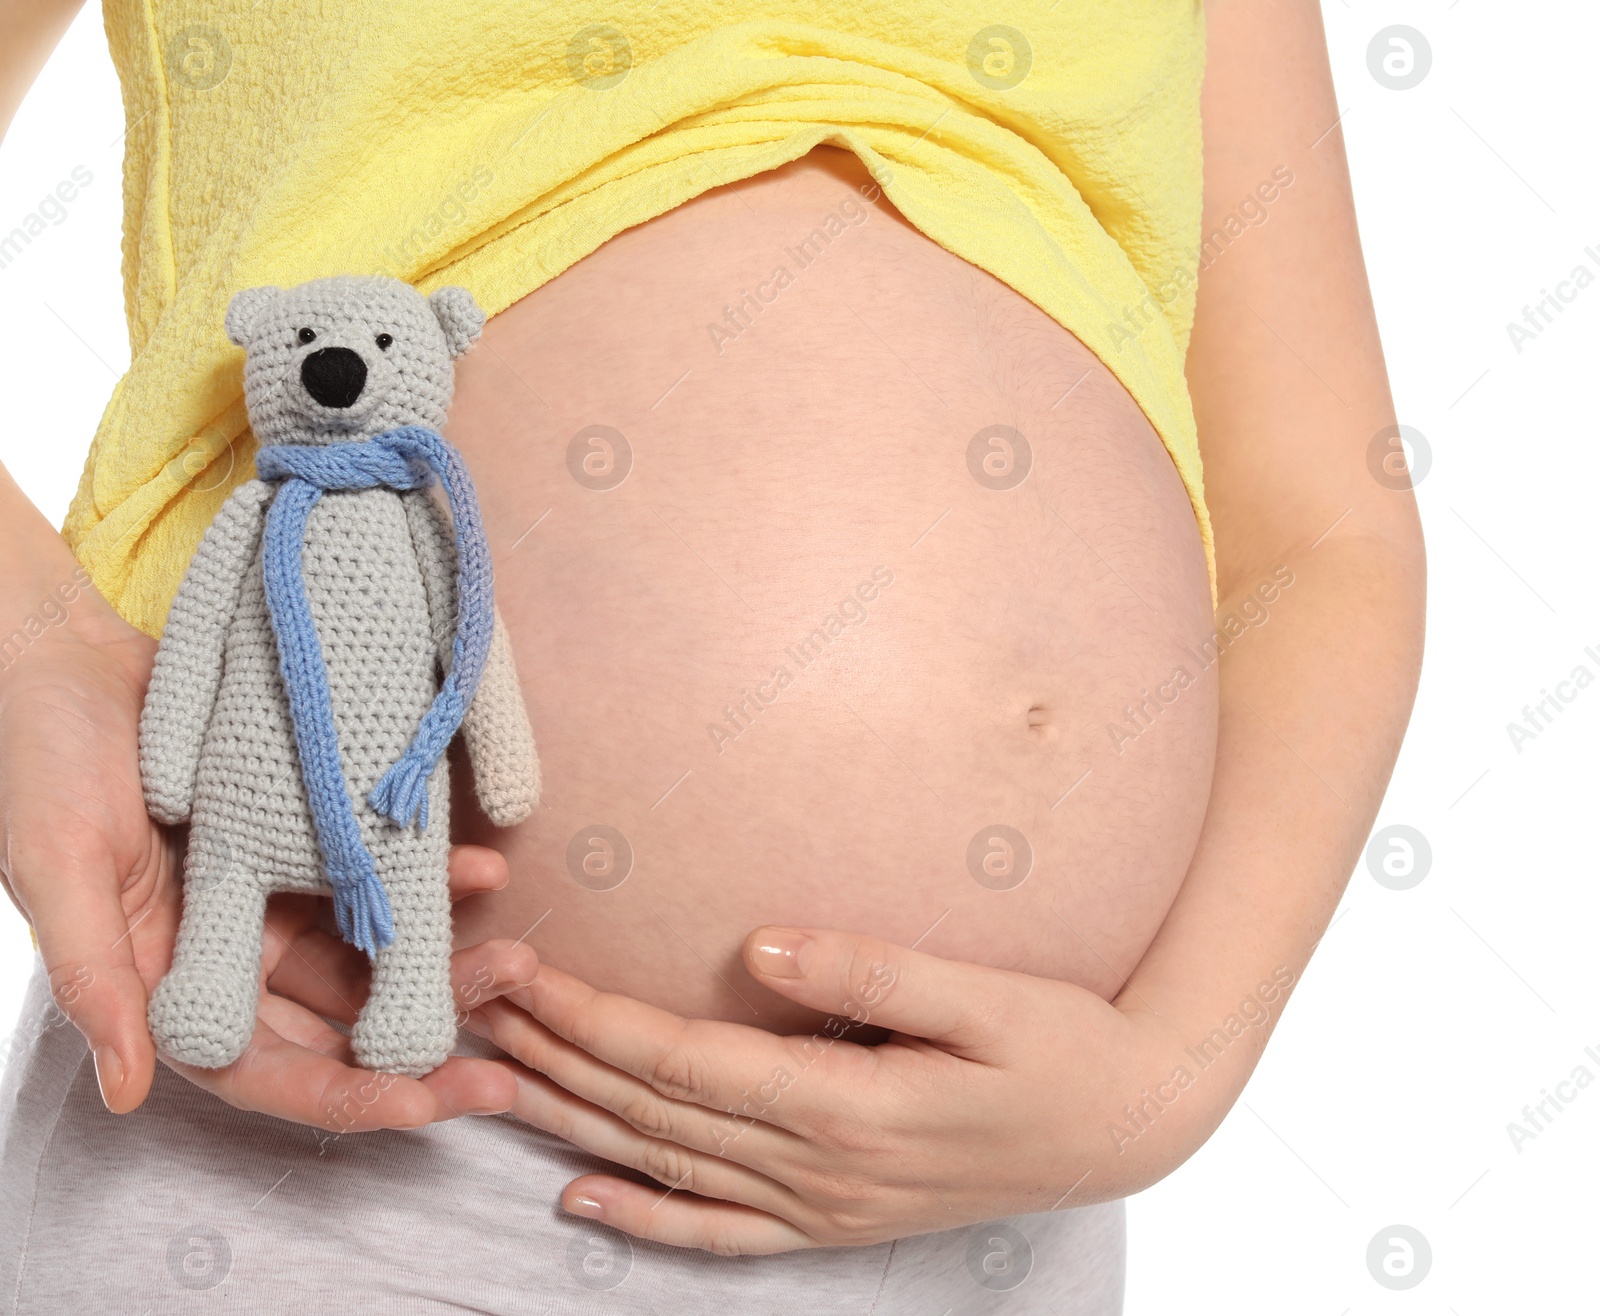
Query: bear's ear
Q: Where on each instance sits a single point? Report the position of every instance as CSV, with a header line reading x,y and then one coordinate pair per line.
x,y
242,313
459,316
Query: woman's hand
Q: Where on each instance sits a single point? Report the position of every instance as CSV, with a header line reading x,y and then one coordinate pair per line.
x,y
299,1067
89,870
995,1094
100,884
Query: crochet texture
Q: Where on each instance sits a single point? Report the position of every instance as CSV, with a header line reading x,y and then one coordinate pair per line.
x,y
217,739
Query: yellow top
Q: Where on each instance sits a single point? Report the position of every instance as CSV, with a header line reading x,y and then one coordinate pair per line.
x,y
497,143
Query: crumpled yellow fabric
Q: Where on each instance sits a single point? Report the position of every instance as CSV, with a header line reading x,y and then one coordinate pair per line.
x,y
497,143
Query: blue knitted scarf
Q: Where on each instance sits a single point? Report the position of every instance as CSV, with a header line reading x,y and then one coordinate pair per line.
x,y
406,458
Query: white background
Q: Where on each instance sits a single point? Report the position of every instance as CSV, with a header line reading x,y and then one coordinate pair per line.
x,y
1430,1016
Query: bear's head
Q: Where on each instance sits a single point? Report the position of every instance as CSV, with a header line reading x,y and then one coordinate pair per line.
x,y
346,358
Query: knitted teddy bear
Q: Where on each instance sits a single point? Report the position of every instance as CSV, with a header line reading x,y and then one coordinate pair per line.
x,y
331,634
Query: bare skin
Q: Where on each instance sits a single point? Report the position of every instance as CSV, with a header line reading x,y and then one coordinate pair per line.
x,y
1004,1072
1002,1092
99,881
772,481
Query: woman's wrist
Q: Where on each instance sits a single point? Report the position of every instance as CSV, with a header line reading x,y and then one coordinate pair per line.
x,y
45,593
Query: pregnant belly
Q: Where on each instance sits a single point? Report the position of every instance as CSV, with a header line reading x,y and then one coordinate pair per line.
x,y
847,590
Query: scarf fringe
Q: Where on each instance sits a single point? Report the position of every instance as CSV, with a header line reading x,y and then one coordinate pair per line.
x,y
402,792
361,910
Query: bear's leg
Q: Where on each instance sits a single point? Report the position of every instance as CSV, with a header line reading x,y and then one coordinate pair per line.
x,y
204,1011
408,1024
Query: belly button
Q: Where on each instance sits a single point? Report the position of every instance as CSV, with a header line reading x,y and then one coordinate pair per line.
x,y
1041,723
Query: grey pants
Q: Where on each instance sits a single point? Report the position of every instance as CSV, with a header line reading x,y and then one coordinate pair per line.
x,y
190,1206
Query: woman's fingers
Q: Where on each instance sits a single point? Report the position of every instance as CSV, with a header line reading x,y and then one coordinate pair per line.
x,y
491,969
319,974
298,1067
475,868
468,1085
867,980
548,1106
327,976
73,899
738,1136
310,966
704,1062
309,963
682,1220
286,1019
279,1077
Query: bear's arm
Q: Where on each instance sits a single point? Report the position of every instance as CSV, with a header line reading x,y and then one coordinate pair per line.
x,y
505,763
188,666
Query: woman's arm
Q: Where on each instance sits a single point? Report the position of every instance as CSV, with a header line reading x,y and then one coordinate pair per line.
x,y
1289,389
80,858
1000,1093
29,31
98,880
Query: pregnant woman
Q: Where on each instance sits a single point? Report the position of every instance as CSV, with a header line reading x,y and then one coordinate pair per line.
x,y
945,784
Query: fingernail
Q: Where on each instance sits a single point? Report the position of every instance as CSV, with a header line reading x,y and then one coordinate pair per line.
x,y
107,1072
585,1206
782,954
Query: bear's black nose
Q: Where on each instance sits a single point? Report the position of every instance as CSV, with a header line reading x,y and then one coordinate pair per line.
x,y
334,376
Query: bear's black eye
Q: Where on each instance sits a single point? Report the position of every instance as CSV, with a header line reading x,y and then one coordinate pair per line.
x,y
308,335
384,342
